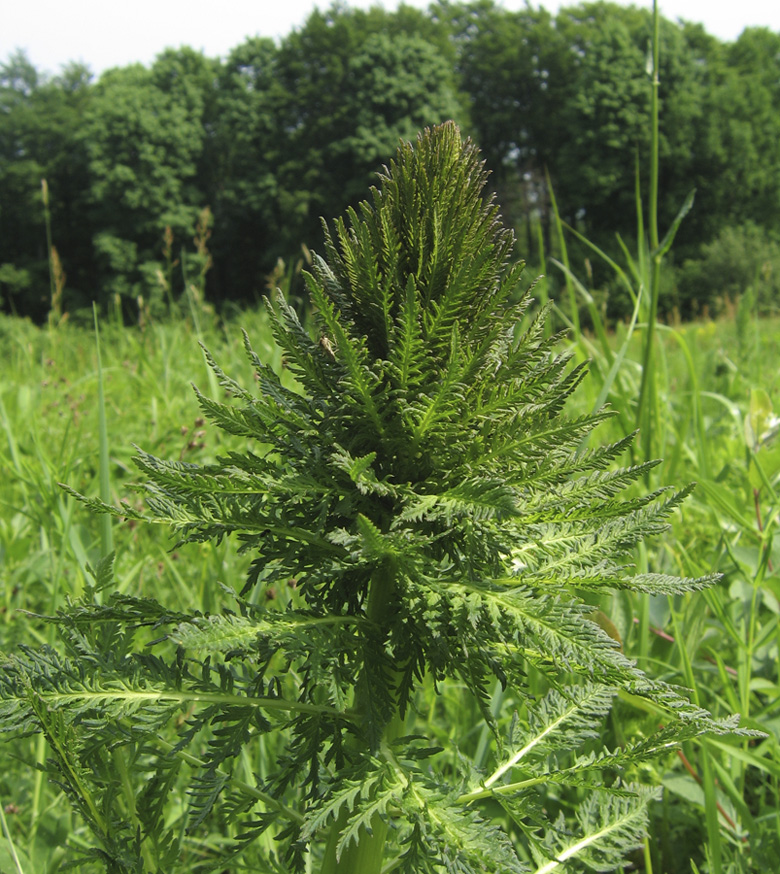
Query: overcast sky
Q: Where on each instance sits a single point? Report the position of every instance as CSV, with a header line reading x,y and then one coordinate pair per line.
x,y
110,33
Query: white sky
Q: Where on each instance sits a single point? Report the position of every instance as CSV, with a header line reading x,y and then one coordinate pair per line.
x,y
109,33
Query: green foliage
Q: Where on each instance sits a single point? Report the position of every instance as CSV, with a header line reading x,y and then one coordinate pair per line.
x,y
277,134
39,140
245,148
347,86
428,496
690,393
143,137
570,95
741,260
747,91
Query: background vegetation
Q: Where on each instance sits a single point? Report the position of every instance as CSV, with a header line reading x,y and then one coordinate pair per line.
x,y
276,135
716,425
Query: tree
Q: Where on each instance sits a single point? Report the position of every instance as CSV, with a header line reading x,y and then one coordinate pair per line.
x,y
606,117
513,68
744,130
144,135
245,150
571,95
39,139
350,84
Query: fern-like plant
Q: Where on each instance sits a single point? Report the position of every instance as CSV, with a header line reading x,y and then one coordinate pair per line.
x,y
440,519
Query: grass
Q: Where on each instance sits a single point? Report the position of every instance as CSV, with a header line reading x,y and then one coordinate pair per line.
x,y
51,418
714,427
713,424
701,396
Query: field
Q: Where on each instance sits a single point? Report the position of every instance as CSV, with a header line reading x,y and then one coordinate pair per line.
x,y
712,424
413,577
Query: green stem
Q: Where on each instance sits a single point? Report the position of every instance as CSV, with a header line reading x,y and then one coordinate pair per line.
x,y
128,790
138,697
47,223
10,842
573,307
646,405
367,855
106,531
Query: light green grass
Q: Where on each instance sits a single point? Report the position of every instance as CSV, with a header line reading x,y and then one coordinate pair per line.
x,y
55,427
712,424
720,806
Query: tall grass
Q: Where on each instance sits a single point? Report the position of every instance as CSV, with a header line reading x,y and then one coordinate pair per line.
x,y
688,390
62,397
720,799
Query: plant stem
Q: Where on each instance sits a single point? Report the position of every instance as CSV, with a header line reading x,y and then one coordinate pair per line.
x,y
573,307
10,842
367,855
106,532
647,400
47,223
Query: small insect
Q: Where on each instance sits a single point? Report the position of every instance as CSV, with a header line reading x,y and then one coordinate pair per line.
x,y
326,345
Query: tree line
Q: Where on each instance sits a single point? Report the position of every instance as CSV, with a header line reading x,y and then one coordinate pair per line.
x,y
221,168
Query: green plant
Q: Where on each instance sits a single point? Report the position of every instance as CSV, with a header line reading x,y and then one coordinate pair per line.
x,y
57,276
423,519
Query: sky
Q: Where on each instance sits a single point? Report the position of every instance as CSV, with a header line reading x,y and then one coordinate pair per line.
x,y
111,33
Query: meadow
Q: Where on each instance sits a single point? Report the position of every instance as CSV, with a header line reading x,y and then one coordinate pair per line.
x,y
709,409
395,593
